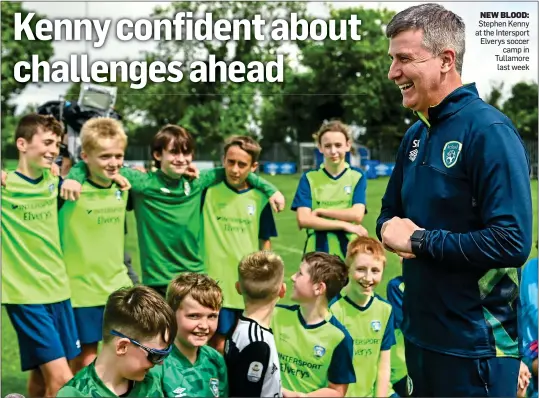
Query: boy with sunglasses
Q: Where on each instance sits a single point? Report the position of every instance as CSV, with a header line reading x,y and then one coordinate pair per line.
x,y
138,330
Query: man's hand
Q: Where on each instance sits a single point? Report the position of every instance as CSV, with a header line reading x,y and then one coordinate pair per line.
x,y
122,182
396,235
70,190
192,172
277,202
4,178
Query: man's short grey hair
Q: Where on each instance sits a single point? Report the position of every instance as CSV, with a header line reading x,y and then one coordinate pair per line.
x,y
441,29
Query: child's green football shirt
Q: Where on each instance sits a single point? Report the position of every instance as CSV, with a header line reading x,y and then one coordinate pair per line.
x,y
207,377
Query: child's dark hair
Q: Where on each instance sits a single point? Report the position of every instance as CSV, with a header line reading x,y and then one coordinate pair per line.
x,y
139,313
327,268
29,126
182,141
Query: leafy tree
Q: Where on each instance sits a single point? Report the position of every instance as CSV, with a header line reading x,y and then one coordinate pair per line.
x,y
14,51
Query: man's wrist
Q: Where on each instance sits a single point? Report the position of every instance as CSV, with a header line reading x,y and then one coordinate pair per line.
x,y
418,239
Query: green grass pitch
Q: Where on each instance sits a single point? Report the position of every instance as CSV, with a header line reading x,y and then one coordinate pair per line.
x,y
289,245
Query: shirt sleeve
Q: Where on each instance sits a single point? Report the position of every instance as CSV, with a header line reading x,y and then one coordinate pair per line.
x,y
341,368
247,377
209,177
68,392
394,296
136,178
268,228
391,201
388,340
303,197
498,168
360,191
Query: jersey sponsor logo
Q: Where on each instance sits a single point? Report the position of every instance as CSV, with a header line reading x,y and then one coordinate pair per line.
x,y
348,189
376,326
214,386
251,210
450,153
319,351
415,150
186,188
254,373
180,392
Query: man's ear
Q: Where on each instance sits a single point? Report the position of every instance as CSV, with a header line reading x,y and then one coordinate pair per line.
x,y
448,57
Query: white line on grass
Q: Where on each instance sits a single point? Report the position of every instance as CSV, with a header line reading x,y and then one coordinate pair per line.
x,y
286,248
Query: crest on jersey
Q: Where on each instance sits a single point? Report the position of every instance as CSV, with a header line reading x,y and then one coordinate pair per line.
x,y
51,188
214,386
450,153
165,190
348,189
186,188
319,351
376,326
254,373
250,210
118,194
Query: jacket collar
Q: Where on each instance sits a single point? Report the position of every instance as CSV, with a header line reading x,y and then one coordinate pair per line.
x,y
451,104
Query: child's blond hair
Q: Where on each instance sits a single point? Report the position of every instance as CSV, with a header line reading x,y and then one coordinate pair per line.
x,y
261,275
365,245
101,128
201,288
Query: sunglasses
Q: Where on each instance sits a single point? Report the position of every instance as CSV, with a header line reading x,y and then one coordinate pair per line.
x,y
154,356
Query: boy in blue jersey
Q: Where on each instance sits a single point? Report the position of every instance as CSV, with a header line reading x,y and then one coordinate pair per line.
x,y
527,322
315,349
237,221
35,284
367,317
400,381
330,201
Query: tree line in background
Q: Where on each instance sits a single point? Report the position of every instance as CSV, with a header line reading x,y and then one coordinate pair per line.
x,y
336,79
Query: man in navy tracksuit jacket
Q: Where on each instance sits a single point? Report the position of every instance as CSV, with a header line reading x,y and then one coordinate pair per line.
x,y
458,209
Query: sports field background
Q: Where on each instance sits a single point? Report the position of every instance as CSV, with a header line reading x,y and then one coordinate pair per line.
x,y
289,245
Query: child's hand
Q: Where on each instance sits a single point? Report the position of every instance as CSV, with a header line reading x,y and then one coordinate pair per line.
x,y
277,202
524,376
4,178
122,182
55,170
70,190
192,172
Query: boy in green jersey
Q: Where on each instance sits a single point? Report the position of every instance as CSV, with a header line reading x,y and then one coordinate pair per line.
x,y
367,317
35,284
330,201
315,349
92,233
194,369
237,221
138,331
167,206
